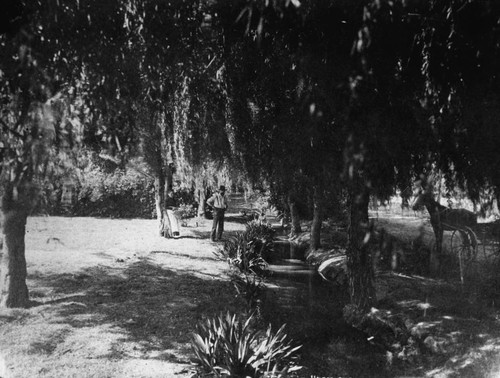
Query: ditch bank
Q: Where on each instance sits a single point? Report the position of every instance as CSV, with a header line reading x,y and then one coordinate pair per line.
x,y
312,309
434,328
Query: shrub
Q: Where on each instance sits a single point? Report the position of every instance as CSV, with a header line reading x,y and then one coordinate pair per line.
x,y
250,287
249,250
244,254
123,193
47,202
184,197
119,193
263,237
186,211
230,346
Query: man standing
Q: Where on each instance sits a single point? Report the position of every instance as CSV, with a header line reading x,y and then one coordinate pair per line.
x,y
219,203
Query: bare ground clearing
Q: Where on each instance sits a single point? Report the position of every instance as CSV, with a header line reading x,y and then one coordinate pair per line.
x,y
112,299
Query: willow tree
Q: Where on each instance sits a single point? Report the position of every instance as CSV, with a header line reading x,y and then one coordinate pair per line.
x,y
393,78
164,40
445,76
201,143
60,65
34,117
259,86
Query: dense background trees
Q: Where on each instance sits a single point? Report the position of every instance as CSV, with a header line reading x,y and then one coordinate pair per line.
x,y
313,99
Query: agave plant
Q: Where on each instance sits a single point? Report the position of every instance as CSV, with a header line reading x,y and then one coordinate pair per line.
x,y
250,287
263,237
248,250
274,352
243,253
260,230
228,345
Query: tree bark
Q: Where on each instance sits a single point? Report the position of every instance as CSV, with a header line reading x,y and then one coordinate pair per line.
x,y
294,215
359,261
202,200
169,179
317,220
161,211
168,183
13,273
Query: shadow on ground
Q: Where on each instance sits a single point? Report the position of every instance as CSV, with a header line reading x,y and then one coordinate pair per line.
x,y
206,234
238,219
156,308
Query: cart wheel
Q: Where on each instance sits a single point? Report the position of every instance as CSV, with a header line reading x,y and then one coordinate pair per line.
x,y
462,248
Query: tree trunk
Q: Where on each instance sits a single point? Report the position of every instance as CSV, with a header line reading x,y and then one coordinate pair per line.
x,y
317,220
13,289
161,211
169,178
202,201
294,215
498,199
168,185
359,261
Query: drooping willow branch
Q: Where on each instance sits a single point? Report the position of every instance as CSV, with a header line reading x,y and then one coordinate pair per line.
x,y
8,129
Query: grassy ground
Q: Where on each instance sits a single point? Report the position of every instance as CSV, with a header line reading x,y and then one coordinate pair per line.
x,y
458,320
111,299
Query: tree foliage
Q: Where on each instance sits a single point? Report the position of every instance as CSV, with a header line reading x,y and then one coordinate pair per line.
x,y
312,98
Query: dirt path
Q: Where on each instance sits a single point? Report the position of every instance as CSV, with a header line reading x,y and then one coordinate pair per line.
x,y
112,299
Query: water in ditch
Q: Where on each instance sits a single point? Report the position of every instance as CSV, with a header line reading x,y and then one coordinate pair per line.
x,y
312,309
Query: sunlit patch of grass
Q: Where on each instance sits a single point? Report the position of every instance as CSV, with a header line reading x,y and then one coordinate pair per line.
x,y
150,310
47,343
150,302
16,315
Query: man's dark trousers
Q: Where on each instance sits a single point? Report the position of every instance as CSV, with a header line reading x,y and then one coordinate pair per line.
x,y
218,225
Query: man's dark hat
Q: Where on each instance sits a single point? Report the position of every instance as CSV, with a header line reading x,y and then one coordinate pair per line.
x,y
222,188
